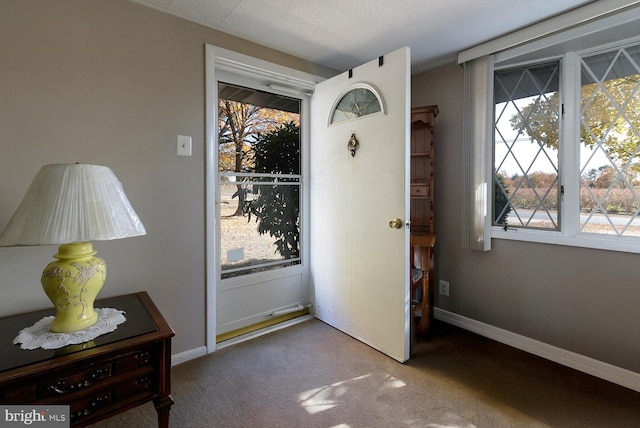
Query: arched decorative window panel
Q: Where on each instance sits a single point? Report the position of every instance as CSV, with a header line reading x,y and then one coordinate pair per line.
x,y
359,100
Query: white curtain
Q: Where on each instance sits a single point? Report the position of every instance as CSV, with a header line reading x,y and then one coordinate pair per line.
x,y
477,154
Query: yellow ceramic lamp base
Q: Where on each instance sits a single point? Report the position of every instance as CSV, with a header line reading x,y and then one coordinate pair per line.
x,y
72,283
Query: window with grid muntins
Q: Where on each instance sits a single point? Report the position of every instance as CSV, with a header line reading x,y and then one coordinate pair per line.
x,y
610,142
600,143
526,124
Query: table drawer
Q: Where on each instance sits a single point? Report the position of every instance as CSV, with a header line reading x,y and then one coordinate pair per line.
x,y
420,190
119,391
63,382
143,357
88,405
140,384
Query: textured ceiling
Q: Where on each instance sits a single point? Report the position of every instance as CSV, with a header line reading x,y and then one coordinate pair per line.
x,y
342,34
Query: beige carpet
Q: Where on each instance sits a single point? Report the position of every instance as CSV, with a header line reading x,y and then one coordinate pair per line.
x,y
311,375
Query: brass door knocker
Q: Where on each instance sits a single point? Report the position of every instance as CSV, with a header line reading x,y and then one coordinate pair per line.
x,y
353,145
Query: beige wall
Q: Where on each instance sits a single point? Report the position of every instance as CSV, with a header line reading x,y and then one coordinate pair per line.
x,y
113,83
581,300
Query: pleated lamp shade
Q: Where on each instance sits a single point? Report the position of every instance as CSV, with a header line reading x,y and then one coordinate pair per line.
x,y
72,203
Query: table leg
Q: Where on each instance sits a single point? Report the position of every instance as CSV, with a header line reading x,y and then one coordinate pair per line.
x,y
163,405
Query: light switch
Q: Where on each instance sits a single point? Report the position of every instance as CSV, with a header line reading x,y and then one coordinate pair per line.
x,y
184,145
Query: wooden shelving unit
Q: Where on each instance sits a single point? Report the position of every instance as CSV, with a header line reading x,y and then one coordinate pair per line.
x,y
423,238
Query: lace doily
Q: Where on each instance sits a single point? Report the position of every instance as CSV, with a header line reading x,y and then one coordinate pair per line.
x,y
40,335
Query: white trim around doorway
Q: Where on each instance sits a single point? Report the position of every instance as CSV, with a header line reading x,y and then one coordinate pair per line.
x,y
279,79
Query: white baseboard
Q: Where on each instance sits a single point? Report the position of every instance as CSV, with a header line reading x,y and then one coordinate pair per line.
x,y
183,357
611,373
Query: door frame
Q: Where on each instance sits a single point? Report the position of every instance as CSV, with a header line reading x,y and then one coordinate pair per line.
x,y
284,81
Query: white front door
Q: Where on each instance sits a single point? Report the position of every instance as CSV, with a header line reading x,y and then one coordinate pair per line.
x,y
359,263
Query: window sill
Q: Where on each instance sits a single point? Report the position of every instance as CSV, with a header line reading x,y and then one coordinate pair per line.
x,y
598,242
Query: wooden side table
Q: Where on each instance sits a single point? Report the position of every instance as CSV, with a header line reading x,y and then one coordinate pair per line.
x,y
97,379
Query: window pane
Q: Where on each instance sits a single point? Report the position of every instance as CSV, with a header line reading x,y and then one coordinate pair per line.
x,y
610,142
526,119
356,103
247,244
259,174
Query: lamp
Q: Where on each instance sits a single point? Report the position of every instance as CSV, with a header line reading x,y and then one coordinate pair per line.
x,y
70,205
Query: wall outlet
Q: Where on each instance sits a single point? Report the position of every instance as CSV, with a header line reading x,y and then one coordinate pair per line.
x,y
444,288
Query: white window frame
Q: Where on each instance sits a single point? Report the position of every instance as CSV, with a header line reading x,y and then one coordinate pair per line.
x,y
569,165
561,148
565,37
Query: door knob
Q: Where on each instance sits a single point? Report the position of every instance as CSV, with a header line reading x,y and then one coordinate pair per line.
x,y
396,223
